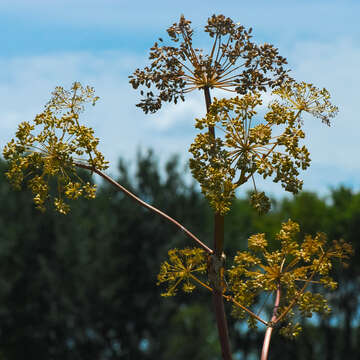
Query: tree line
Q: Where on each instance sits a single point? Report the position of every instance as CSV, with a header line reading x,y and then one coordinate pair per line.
x,y
84,286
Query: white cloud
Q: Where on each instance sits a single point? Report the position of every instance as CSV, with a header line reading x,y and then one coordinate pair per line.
x,y
335,67
181,113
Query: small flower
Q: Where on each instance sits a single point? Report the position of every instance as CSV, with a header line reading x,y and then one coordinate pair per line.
x,y
257,242
260,202
52,145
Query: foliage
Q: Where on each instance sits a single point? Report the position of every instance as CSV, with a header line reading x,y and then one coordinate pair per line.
x,y
192,322
50,147
65,279
83,281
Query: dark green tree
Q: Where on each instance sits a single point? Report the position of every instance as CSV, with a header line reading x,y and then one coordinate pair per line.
x,y
84,287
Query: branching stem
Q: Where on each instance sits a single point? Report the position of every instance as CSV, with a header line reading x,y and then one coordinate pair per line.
x,y
258,318
146,205
308,281
231,299
218,251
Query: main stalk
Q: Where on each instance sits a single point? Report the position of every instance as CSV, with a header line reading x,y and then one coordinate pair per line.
x,y
218,252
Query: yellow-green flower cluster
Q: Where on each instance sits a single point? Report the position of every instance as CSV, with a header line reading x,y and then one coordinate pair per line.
x,y
289,269
52,145
245,145
180,268
306,97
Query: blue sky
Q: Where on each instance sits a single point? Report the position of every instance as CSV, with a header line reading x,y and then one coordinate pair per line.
x,y
99,43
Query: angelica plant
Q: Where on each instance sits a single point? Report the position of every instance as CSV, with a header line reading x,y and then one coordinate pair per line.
x,y
233,146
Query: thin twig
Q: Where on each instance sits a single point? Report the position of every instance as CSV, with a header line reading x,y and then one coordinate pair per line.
x,y
146,205
258,318
293,302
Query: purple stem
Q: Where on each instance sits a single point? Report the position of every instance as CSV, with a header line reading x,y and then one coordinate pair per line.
x,y
146,205
269,330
